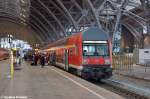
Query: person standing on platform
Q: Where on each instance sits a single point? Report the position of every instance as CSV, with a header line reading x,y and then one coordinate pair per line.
x,y
33,60
42,61
50,59
36,59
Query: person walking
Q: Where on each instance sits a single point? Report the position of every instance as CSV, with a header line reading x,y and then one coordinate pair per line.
x,y
42,61
36,59
32,59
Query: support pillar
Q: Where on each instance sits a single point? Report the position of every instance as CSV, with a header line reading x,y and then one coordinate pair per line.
x,y
147,36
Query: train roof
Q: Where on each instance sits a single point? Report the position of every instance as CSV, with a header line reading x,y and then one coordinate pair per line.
x,y
94,33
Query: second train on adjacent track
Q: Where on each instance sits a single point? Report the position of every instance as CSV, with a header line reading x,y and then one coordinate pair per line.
x,y
87,52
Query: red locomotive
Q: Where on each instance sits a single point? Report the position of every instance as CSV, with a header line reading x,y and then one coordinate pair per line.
x,y
87,52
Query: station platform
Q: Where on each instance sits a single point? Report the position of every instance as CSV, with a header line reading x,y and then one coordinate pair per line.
x,y
34,82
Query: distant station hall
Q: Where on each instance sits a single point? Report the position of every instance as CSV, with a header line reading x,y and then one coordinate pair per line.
x,y
74,49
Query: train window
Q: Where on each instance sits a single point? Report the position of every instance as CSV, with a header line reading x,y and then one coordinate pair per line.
x,y
76,50
88,49
71,51
102,49
95,49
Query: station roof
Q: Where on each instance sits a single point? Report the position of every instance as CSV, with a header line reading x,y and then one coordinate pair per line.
x,y
54,19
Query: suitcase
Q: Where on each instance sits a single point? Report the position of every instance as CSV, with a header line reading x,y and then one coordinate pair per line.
x,y
32,63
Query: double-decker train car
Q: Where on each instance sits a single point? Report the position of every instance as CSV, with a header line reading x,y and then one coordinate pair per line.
x,y
87,52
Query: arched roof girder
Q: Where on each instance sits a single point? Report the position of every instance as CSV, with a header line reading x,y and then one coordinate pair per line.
x,y
135,17
43,27
135,33
37,33
13,20
49,23
60,10
38,29
8,14
121,11
33,23
83,11
53,15
13,17
95,12
68,13
47,35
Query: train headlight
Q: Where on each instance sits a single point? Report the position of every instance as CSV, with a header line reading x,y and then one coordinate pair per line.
x,y
85,61
107,61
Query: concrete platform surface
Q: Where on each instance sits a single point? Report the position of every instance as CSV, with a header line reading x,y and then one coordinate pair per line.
x,y
34,82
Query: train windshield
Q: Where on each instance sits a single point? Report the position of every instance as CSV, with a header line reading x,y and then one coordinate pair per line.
x,y
99,49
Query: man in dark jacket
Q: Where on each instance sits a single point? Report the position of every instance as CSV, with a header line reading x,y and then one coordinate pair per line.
x,y
42,60
36,59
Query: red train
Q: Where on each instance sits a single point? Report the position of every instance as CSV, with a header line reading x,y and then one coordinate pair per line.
x,y
87,52
4,54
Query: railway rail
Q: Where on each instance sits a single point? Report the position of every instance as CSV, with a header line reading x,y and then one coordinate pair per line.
x,y
119,89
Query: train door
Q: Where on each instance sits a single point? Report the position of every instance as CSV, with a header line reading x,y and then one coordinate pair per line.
x,y
66,60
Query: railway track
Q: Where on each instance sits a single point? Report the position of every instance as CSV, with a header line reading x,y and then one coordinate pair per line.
x,y
117,88
113,87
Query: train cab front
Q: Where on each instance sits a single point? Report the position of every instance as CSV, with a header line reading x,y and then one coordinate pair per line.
x,y
96,61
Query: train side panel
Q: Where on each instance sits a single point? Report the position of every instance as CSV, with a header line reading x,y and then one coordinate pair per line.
x,y
75,53
4,54
60,59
